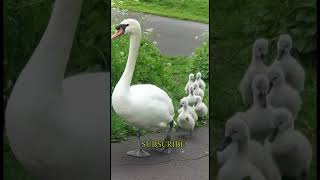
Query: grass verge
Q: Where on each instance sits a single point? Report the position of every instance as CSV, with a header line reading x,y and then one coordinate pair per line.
x,y
194,10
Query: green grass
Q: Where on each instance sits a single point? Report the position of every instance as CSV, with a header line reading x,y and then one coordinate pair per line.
x,y
195,10
168,73
13,170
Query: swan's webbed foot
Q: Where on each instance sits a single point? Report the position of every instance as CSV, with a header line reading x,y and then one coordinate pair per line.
x,y
167,150
140,153
186,135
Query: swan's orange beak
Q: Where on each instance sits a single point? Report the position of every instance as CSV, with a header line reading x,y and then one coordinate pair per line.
x,y
118,33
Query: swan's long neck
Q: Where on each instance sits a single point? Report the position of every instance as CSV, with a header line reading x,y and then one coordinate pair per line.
x,y
286,55
126,77
256,59
243,146
48,63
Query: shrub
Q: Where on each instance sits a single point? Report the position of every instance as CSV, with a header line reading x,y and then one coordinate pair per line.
x,y
201,60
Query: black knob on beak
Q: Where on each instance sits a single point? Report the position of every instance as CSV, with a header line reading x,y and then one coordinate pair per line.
x,y
122,26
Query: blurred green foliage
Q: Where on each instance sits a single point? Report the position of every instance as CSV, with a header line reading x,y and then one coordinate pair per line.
x,y
241,22
25,22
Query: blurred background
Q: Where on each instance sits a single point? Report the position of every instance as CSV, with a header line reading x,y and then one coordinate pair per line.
x,y
24,24
234,26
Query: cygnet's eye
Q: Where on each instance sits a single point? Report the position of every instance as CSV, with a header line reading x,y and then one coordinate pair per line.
x,y
234,131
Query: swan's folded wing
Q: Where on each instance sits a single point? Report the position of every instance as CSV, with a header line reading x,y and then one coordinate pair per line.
x,y
285,149
152,92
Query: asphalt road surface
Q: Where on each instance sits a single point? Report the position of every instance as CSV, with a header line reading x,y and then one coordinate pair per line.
x,y
171,36
188,163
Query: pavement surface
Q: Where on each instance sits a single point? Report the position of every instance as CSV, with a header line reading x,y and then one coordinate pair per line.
x,y
188,163
171,36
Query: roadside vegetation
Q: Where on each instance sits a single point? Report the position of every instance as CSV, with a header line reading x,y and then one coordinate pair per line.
x,y
194,10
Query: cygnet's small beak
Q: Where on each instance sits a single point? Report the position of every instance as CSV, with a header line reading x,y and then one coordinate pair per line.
x,y
274,135
262,55
263,99
280,54
118,33
226,142
270,87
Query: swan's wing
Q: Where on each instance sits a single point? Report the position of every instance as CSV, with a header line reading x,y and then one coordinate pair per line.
x,y
153,92
285,149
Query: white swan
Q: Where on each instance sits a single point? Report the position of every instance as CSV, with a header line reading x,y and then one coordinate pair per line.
x,y
257,66
281,94
190,82
200,82
239,165
291,149
259,116
256,153
197,90
191,98
200,108
190,110
185,119
144,105
292,69
57,127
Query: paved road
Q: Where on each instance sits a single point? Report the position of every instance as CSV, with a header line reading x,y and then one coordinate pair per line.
x,y
173,37
188,163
